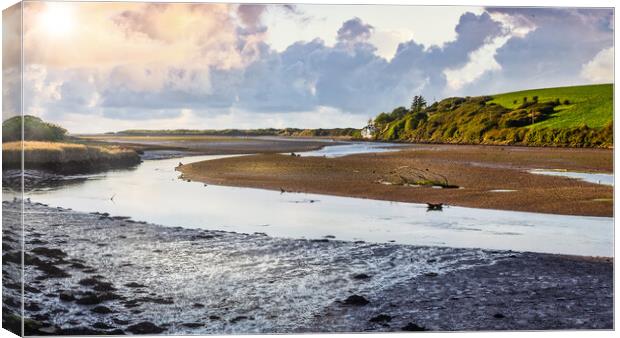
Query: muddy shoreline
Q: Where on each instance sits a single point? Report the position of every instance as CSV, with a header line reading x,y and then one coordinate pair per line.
x,y
105,274
479,176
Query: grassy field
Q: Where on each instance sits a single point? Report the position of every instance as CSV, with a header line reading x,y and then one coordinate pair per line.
x,y
588,105
55,155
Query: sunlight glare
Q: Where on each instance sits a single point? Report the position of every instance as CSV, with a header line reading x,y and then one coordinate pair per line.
x,y
57,19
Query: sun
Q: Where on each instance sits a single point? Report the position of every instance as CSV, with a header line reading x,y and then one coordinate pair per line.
x,y
57,19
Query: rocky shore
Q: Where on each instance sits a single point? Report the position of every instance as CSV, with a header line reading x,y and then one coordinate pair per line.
x,y
101,274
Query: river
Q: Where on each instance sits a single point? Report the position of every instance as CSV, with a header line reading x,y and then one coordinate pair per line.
x,y
153,192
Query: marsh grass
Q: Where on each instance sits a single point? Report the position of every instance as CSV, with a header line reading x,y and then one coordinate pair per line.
x,y
59,154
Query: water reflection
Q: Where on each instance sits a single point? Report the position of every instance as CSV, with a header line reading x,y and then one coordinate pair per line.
x,y
597,178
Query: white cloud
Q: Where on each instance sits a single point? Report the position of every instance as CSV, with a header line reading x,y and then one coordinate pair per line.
x,y
601,68
481,61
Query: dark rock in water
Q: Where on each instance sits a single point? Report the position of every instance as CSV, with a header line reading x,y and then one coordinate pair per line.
x,y
145,328
78,265
361,276
120,321
104,286
101,309
413,327
431,274
134,285
380,318
52,271
192,325
93,299
50,253
198,305
499,316
66,296
356,300
32,307
238,319
88,281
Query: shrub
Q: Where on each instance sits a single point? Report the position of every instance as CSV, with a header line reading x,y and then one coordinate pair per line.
x,y
35,129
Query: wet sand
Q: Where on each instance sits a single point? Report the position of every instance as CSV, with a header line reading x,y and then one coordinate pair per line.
x,y
214,145
486,176
104,274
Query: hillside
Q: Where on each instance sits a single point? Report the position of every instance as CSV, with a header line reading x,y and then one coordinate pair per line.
x,y
580,116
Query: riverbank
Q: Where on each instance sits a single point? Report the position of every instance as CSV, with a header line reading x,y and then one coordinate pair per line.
x,y
102,274
472,176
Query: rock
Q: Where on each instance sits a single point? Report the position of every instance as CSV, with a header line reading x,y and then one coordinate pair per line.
x,y
88,281
32,307
145,328
104,286
101,309
413,327
78,265
66,296
134,285
192,325
88,299
50,253
361,276
120,321
238,319
499,316
52,271
356,300
380,318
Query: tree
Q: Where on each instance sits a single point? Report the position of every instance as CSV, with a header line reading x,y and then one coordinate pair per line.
x,y
418,104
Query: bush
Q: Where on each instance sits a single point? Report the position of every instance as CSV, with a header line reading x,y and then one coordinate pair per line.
x,y
35,129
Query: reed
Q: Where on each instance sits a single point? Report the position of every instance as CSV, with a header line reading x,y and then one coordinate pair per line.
x,y
62,155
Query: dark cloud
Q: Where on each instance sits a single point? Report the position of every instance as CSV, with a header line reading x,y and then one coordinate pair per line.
x,y
354,30
250,14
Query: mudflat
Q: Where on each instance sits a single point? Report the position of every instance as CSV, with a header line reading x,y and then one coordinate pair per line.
x,y
490,177
213,145
101,274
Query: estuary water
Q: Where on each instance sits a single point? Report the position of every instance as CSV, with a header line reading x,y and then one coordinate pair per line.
x,y
152,192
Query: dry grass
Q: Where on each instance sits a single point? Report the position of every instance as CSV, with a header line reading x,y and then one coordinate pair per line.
x,y
36,152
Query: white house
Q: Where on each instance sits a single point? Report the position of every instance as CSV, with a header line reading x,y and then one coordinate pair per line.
x,y
369,131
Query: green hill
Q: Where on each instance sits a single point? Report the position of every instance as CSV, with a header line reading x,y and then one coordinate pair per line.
x,y
579,116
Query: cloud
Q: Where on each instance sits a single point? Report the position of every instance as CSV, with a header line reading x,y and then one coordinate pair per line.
x,y
601,68
353,31
210,63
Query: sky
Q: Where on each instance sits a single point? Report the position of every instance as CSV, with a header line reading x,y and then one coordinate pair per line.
x,y
98,67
